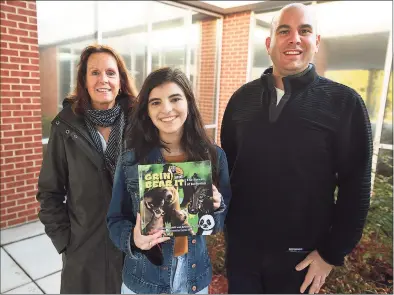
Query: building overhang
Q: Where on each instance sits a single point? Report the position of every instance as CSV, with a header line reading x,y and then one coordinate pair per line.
x,y
224,7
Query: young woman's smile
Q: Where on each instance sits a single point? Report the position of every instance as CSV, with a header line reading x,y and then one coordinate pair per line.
x,y
168,109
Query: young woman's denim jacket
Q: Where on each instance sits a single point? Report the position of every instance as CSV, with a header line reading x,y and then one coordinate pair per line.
x,y
139,274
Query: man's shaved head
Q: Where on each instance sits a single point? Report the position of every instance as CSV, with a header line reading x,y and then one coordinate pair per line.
x,y
307,9
293,41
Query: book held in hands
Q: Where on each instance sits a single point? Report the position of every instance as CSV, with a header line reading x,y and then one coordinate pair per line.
x,y
176,197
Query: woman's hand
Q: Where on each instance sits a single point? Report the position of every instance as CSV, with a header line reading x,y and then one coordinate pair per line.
x,y
217,198
147,242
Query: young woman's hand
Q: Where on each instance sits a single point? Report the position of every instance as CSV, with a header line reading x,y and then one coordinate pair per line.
x,y
147,242
217,198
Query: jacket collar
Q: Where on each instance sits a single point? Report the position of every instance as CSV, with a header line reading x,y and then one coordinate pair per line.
x,y
155,156
77,121
292,83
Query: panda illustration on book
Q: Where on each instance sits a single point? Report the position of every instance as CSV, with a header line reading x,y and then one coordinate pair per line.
x,y
206,225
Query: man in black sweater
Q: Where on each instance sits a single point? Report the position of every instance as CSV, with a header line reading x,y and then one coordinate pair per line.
x,y
291,138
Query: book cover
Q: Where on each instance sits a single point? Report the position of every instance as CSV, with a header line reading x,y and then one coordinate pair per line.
x,y
176,197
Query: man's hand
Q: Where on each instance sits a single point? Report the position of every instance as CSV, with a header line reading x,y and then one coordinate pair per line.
x,y
317,272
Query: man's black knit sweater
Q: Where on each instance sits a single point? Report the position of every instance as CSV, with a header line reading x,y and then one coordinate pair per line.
x,y
285,162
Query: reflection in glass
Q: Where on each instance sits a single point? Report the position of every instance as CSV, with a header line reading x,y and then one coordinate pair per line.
x,y
65,68
261,59
133,49
169,53
127,35
60,43
122,16
58,71
168,35
345,50
58,21
168,50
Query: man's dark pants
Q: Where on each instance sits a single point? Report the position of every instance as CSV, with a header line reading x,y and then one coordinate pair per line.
x,y
250,270
274,274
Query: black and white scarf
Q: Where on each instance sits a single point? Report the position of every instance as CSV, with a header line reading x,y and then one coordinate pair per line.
x,y
113,117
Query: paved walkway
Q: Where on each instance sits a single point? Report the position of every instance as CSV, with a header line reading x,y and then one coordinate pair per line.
x,y
29,262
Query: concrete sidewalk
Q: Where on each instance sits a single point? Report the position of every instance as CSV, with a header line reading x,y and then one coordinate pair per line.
x,y
29,262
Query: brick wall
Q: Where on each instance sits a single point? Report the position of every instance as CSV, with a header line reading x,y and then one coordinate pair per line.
x,y
207,71
234,58
20,112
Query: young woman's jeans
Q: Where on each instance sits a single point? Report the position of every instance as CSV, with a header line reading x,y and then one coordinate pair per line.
x,y
178,278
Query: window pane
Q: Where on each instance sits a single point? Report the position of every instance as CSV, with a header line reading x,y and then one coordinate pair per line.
x,y
60,48
133,48
161,13
199,38
60,43
118,16
261,59
169,21
387,131
346,48
127,35
65,69
62,20
211,133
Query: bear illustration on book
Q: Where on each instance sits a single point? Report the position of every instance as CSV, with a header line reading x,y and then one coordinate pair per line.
x,y
162,207
163,204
